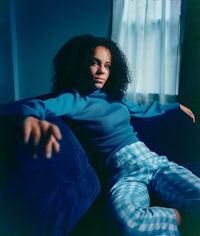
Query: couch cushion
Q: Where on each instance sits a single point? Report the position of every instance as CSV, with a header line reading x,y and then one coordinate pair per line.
x,y
172,134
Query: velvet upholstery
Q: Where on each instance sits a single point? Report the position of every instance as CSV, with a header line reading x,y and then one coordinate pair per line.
x,y
43,196
61,196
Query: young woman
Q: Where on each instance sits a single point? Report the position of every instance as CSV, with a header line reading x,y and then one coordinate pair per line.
x,y
92,74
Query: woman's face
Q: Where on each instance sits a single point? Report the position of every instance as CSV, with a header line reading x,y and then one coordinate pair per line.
x,y
100,66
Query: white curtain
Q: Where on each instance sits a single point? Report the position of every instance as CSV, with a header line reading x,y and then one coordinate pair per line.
x,y
148,32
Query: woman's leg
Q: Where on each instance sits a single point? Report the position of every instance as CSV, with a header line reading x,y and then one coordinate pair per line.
x,y
180,188
129,210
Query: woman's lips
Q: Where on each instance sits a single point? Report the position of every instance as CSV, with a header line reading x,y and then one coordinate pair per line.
x,y
99,79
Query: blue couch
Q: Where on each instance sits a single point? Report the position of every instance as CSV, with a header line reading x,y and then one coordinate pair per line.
x,y
63,195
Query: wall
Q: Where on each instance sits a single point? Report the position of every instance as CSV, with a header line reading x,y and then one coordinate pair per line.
x,y
189,93
6,72
34,31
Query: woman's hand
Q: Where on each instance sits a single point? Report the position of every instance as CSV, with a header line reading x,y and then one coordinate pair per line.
x,y
42,131
188,112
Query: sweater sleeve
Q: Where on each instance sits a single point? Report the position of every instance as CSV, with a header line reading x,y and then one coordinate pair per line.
x,y
64,104
151,110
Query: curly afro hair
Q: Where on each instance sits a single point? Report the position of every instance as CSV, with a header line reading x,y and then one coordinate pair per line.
x,y
72,61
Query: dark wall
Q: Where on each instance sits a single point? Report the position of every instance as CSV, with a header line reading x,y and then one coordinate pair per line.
x,y
190,63
38,29
6,72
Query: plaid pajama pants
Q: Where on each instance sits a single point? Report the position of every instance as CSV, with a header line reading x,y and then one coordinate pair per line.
x,y
135,170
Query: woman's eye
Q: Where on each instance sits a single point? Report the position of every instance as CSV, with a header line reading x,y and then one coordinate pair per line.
x,y
93,62
108,66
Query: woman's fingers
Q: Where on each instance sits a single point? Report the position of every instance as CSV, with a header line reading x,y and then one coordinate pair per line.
x,y
37,134
27,132
31,126
51,145
42,131
51,134
188,112
56,132
48,129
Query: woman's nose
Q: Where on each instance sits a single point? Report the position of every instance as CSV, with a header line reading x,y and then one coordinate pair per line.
x,y
101,69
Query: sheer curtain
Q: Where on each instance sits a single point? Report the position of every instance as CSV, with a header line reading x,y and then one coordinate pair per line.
x,y
148,32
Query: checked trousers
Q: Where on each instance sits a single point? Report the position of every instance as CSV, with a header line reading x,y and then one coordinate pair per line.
x,y
134,171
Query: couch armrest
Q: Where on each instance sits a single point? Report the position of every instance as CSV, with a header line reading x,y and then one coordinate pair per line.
x,y
43,196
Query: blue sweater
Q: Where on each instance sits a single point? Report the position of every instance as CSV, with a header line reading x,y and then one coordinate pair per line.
x,y
105,122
